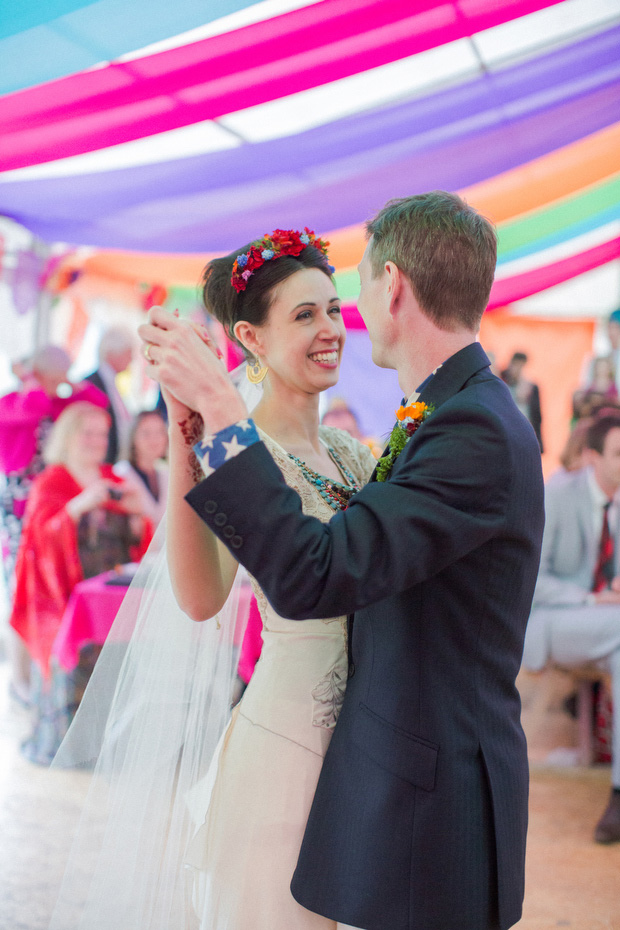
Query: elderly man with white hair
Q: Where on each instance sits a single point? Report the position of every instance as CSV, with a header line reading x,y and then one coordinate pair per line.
x,y
115,354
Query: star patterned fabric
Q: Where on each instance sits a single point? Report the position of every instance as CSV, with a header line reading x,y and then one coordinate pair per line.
x,y
220,447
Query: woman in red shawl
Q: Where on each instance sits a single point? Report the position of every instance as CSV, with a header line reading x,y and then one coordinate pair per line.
x,y
26,417
80,520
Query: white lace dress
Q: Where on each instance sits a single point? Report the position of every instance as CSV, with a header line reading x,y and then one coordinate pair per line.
x,y
269,760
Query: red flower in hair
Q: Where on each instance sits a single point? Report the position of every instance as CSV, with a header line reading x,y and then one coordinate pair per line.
x,y
255,259
287,241
280,242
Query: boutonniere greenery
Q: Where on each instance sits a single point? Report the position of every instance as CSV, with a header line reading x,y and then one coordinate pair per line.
x,y
408,420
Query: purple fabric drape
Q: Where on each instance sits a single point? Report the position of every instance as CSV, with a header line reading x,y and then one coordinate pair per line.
x,y
338,174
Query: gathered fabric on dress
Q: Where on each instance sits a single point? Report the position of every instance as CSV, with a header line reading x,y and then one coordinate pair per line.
x,y
260,788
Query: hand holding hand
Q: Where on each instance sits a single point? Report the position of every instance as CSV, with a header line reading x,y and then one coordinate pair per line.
x,y
185,362
176,410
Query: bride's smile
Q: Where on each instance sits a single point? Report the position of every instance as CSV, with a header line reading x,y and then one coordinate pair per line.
x,y
330,359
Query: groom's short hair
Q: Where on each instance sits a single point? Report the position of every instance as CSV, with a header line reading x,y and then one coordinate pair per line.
x,y
447,250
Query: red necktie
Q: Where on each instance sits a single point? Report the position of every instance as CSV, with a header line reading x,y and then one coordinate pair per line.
x,y
604,571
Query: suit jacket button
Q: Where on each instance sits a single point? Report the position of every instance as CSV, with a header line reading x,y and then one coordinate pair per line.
x,y
236,542
220,519
228,531
210,507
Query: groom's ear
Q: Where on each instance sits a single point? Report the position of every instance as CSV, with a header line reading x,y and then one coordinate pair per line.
x,y
394,284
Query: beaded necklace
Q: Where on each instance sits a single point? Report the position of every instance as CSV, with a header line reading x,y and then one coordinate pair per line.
x,y
334,493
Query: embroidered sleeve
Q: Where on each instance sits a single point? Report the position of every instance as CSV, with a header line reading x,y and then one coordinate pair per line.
x,y
214,450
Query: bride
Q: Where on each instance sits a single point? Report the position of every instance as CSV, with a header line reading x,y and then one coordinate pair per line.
x,y
197,818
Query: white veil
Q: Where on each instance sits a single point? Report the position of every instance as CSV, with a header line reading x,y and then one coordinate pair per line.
x,y
145,734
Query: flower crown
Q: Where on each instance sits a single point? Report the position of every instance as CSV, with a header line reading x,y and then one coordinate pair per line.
x,y
279,242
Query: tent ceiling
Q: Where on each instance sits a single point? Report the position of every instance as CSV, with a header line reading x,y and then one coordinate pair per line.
x,y
185,132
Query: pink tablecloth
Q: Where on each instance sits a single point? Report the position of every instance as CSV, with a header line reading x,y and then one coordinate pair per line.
x,y
89,615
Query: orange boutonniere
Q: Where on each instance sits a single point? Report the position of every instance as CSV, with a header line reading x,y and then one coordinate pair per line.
x,y
408,420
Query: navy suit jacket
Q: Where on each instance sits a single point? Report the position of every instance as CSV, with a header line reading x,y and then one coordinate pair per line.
x,y
420,815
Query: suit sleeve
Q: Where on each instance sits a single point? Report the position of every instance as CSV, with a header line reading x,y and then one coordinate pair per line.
x,y
447,495
551,589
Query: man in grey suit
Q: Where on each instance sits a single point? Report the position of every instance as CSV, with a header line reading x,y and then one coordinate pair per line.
x,y
576,609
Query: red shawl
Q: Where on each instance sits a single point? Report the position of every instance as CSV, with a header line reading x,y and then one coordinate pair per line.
x,y
48,564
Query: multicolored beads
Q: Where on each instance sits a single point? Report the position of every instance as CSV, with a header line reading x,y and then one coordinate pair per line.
x,y
334,493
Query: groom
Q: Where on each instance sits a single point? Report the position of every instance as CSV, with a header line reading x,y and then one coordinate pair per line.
x,y
420,815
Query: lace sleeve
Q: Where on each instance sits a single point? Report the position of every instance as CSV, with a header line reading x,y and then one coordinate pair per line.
x,y
356,454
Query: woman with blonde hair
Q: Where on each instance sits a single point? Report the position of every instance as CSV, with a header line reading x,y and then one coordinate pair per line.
x,y
80,520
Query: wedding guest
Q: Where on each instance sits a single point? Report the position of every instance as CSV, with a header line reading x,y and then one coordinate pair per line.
x,y
603,382
600,389
80,520
613,334
340,415
525,393
574,454
115,354
26,416
145,465
575,614
613,340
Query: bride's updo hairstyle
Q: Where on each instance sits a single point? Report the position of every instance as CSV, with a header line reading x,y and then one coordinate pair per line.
x,y
235,289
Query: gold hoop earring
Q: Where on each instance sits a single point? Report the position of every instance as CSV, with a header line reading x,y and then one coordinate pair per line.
x,y
256,373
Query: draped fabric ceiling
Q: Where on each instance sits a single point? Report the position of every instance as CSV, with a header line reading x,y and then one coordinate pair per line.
x,y
294,113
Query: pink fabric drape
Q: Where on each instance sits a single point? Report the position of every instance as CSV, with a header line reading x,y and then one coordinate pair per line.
x,y
508,290
305,48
